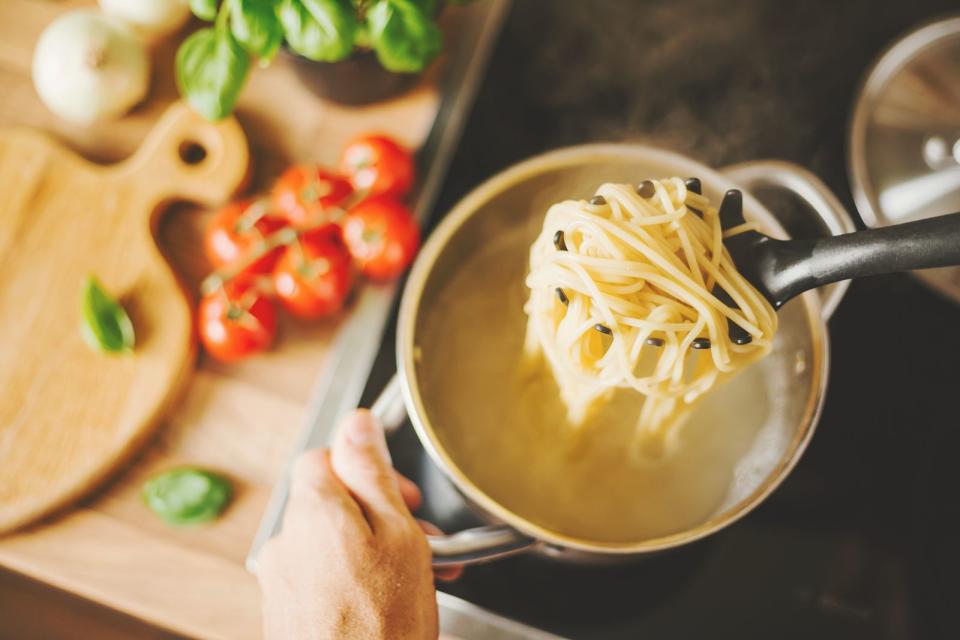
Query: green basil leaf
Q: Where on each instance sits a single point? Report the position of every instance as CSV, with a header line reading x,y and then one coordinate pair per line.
x,y
106,325
319,29
428,7
204,9
404,37
187,495
255,26
211,69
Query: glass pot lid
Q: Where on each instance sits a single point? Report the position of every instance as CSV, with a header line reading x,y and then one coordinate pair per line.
x,y
904,152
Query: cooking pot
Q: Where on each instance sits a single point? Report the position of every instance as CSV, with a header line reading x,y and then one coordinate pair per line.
x,y
519,196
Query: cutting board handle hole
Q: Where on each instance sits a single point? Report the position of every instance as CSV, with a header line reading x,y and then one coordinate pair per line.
x,y
192,152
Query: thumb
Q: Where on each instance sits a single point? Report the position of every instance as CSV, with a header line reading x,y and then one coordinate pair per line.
x,y
361,460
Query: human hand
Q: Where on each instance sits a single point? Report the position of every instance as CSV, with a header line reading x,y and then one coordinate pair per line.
x,y
350,560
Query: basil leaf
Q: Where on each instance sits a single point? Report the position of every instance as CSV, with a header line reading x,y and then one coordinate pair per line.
x,y
187,495
319,29
211,69
404,38
428,7
106,325
255,26
204,9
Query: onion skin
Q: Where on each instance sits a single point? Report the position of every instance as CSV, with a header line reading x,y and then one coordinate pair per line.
x,y
88,67
151,19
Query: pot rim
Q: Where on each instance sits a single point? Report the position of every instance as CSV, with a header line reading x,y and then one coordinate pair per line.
x,y
409,307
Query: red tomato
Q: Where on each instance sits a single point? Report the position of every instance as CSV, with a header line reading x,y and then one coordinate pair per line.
x,y
238,230
309,195
236,320
313,276
382,236
378,166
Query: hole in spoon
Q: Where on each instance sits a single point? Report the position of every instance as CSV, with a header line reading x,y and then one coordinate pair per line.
x,y
191,152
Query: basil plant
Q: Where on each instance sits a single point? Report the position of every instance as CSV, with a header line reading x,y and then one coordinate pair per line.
x,y
213,63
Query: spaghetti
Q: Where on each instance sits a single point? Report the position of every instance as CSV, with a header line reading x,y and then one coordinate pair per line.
x,y
624,294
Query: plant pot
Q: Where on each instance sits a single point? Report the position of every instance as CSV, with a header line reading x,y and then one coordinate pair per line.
x,y
357,80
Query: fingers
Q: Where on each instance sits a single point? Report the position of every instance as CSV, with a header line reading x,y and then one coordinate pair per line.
x,y
316,491
360,458
447,574
355,487
409,491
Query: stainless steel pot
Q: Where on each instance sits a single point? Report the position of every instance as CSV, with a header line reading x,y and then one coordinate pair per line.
x,y
520,196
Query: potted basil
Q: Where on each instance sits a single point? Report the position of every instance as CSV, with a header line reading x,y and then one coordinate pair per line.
x,y
351,51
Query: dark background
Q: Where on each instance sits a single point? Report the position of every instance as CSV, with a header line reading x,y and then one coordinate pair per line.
x,y
860,542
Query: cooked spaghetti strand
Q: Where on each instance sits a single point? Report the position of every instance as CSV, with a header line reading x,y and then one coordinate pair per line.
x,y
643,270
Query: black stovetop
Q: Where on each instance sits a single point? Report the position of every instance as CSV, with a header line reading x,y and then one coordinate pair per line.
x,y
858,542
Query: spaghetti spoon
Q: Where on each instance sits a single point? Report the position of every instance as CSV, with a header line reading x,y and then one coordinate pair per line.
x,y
780,270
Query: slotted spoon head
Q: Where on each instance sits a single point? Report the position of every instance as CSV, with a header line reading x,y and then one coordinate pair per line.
x,y
747,244
731,215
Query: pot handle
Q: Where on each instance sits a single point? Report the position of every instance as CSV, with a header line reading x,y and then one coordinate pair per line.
x,y
389,407
470,546
809,188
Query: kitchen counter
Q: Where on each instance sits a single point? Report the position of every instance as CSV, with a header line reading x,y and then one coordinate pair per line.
x,y
856,543
240,419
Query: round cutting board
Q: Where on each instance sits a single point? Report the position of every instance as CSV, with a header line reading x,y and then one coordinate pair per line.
x,y
69,414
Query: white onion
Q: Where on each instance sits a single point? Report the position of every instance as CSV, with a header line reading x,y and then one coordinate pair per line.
x,y
152,19
89,67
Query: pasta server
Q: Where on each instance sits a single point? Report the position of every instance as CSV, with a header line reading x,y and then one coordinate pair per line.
x,y
783,269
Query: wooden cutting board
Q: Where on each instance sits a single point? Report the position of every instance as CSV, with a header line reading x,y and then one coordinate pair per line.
x,y
69,415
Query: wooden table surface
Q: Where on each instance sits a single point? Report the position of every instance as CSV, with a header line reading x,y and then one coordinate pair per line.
x,y
239,419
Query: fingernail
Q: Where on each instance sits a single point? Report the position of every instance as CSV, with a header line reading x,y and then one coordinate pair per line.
x,y
365,431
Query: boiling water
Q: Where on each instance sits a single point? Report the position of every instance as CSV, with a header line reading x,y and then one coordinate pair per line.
x,y
504,425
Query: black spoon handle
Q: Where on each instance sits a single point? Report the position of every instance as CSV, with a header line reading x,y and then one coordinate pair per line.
x,y
805,264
